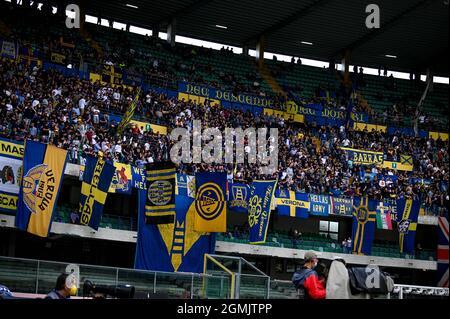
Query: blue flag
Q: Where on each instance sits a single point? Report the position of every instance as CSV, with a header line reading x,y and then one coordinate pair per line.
x,y
259,206
319,205
364,224
97,178
238,201
290,203
172,247
407,216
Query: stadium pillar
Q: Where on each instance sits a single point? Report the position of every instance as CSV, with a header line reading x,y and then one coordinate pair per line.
x,y
172,32
155,31
346,64
260,50
245,50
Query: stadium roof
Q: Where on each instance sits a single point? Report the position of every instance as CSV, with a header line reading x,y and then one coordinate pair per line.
x,y
414,31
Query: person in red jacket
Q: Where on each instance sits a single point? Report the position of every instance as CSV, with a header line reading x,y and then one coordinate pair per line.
x,y
307,281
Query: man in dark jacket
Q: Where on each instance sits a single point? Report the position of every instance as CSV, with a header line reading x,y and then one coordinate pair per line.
x,y
307,281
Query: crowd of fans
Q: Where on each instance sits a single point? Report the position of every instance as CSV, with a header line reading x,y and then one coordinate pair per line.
x,y
74,114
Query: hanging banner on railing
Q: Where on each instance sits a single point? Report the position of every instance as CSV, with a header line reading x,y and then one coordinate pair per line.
x,y
221,95
363,157
11,168
319,205
342,206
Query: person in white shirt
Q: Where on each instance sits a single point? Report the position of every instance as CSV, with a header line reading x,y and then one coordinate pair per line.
x,y
82,104
346,142
95,115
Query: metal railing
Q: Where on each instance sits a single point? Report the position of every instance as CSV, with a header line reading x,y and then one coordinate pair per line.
x,y
39,277
247,281
411,291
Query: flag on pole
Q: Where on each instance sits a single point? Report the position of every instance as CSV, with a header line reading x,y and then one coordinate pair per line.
x,y
129,114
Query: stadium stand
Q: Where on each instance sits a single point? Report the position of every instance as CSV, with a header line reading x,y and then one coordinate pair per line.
x,y
71,89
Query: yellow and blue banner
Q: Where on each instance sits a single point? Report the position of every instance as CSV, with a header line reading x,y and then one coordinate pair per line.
x,y
259,206
290,203
239,195
407,216
11,168
97,178
43,167
364,157
160,202
121,180
172,247
364,223
319,205
210,202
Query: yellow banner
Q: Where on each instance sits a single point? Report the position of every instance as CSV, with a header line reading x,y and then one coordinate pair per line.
x,y
211,207
299,118
58,58
398,166
144,126
436,135
11,149
47,191
291,107
198,99
369,127
8,202
121,180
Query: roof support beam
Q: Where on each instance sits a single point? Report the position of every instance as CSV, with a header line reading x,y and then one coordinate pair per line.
x,y
384,27
290,19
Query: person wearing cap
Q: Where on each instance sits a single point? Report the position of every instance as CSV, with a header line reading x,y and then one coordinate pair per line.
x,y
307,281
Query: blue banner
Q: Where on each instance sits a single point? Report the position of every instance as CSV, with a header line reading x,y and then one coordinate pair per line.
x,y
252,100
420,181
364,224
259,206
172,247
329,116
138,178
319,205
290,203
97,178
239,195
407,216
342,206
